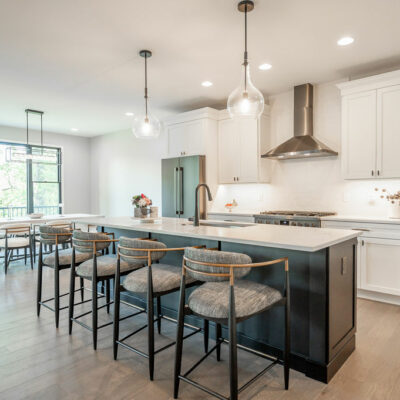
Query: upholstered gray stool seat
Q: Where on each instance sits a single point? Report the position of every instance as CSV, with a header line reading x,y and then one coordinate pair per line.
x,y
65,257
165,278
106,266
211,300
15,242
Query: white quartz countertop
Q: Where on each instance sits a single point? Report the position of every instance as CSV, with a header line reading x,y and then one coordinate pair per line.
x,y
278,236
360,218
47,218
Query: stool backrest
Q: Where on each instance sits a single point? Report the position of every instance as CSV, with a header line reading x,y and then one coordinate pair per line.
x,y
16,229
60,224
83,241
52,235
214,257
127,245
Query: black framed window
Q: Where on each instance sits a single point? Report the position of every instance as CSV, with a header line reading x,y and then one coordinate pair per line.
x,y
30,180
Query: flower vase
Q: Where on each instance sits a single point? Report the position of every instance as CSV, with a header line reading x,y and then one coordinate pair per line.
x,y
394,210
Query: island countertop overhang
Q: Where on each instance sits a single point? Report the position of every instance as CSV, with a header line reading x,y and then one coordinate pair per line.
x,y
276,236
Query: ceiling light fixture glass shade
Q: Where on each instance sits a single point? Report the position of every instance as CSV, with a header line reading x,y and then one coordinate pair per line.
x,y
145,125
246,101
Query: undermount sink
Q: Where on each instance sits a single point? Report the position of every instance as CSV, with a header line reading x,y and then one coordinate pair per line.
x,y
219,224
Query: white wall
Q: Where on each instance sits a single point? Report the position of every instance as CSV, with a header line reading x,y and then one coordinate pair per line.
x,y
312,184
123,166
75,168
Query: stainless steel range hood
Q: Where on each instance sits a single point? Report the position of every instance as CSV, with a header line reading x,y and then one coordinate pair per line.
x,y
303,144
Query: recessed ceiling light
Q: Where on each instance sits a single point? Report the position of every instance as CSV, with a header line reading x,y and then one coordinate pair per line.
x,y
129,114
344,41
206,83
265,67
74,129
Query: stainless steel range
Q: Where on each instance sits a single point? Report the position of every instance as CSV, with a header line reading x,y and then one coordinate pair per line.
x,y
294,218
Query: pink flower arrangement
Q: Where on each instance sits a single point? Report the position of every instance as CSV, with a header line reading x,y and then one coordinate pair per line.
x,y
141,200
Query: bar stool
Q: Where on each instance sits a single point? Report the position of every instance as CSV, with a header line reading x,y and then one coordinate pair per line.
x,y
15,237
57,260
154,281
227,299
98,269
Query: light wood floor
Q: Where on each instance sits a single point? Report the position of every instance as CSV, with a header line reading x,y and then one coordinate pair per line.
x,y
38,362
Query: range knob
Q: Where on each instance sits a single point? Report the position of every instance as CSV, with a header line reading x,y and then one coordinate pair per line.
x,y
276,222
306,224
293,223
313,225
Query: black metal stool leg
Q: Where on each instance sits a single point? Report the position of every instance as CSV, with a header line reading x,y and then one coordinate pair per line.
x,y
150,322
206,334
218,335
159,314
179,337
6,259
108,295
94,313
116,310
94,301
25,255
57,289
71,298
31,253
233,372
82,289
39,281
72,292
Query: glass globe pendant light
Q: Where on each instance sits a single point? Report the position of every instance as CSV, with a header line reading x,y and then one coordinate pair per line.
x,y
246,101
146,125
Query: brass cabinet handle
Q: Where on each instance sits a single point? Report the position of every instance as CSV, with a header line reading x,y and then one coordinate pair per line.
x,y
372,173
378,172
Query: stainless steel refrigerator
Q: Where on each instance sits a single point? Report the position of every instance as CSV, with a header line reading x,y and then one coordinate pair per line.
x,y
180,176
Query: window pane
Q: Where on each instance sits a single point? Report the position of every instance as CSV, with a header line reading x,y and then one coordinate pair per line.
x,y
44,172
46,198
13,197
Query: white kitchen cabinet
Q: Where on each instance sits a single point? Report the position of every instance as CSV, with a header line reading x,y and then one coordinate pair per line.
x,y
388,132
371,127
380,265
195,133
241,142
359,135
378,258
228,149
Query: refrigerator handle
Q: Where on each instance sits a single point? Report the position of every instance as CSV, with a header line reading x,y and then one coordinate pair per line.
x,y
176,188
181,189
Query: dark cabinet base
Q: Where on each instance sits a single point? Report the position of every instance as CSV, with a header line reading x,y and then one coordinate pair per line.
x,y
323,303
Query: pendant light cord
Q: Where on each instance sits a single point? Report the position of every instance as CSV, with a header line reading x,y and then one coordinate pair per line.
x,y
246,63
145,82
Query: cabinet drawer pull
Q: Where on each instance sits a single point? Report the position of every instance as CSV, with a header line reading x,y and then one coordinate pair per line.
x,y
372,173
378,172
360,229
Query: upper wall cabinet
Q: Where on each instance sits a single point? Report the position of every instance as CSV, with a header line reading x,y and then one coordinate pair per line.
x,y
240,145
371,127
195,133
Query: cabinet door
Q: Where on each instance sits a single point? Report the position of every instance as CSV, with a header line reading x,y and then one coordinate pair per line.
x,y
359,135
186,138
388,132
380,265
228,151
248,147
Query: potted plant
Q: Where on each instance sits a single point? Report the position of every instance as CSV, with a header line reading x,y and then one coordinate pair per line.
x,y
141,203
394,202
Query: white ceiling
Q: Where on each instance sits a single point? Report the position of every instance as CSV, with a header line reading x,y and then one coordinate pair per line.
x,y
77,60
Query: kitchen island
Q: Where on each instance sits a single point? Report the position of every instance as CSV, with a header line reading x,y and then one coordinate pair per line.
x,y
322,265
